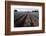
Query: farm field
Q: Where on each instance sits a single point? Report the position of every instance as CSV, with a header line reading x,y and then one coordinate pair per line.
x,y
26,19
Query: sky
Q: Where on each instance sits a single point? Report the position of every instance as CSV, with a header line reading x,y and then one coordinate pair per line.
x,y
25,9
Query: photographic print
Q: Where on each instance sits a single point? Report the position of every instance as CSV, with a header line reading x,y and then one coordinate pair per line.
x,y
24,17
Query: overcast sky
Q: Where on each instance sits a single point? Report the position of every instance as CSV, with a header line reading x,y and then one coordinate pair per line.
x,y
25,9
